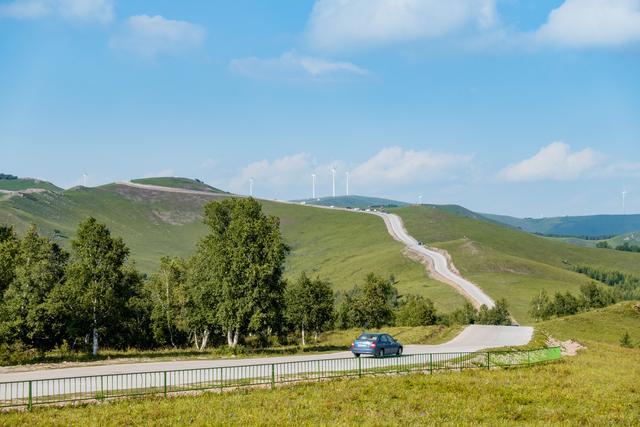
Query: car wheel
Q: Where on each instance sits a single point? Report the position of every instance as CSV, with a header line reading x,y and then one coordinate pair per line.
x,y
356,354
381,354
399,353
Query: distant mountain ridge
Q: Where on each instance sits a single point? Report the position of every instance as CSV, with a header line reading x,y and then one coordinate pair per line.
x,y
592,226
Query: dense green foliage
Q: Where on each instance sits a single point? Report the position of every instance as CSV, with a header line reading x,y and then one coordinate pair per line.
x,y
370,305
623,286
416,310
7,176
309,305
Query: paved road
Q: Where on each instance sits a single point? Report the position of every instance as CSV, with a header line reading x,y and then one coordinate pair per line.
x,y
437,260
94,379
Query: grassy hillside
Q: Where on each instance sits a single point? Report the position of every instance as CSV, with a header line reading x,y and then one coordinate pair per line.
x,y
185,183
361,202
605,325
510,263
591,225
340,246
25,184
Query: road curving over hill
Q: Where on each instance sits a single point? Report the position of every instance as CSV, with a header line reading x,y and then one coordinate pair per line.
x,y
438,262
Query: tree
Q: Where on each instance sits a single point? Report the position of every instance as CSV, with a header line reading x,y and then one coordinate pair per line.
x,y
39,267
416,311
625,340
565,305
8,256
309,305
467,315
370,305
593,296
97,289
240,265
541,307
497,315
167,294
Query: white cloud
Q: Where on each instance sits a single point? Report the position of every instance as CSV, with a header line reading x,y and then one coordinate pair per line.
x,y
101,11
340,24
584,23
149,36
396,166
273,177
554,162
290,65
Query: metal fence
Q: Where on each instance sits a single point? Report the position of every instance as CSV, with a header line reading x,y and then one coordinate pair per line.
x,y
101,387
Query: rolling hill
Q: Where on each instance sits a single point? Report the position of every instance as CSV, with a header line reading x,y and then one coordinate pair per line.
x,y
506,262
175,182
337,245
22,184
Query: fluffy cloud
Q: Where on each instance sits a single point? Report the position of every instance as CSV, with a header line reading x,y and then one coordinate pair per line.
x,y
554,162
396,166
583,23
273,177
290,65
100,11
339,24
149,36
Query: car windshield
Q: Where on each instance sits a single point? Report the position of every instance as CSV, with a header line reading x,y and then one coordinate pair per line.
x,y
366,337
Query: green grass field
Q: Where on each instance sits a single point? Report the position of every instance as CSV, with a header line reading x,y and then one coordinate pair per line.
x,y
506,262
185,183
25,184
339,246
596,387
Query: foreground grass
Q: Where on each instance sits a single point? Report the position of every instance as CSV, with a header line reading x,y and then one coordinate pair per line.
x,y
508,263
597,387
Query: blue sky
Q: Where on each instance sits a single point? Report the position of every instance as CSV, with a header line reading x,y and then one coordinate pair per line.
x,y
506,106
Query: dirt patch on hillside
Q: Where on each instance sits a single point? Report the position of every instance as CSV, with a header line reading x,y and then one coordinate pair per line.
x,y
567,348
470,247
636,307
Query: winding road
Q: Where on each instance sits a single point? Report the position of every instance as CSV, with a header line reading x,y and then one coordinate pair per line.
x,y
473,338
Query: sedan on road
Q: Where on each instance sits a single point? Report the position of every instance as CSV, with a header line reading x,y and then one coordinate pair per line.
x,y
377,345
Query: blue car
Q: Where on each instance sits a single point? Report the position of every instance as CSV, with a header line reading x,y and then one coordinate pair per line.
x,y
377,345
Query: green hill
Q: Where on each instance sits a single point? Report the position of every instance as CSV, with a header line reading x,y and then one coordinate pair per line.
x,y
184,183
577,226
507,262
605,325
22,184
340,246
360,202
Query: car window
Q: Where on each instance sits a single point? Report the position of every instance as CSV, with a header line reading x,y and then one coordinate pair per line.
x,y
385,338
390,338
368,337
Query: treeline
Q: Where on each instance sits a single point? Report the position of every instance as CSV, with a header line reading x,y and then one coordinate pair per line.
x,y
232,289
620,287
7,176
625,247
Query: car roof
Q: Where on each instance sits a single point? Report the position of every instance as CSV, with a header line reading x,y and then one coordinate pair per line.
x,y
375,334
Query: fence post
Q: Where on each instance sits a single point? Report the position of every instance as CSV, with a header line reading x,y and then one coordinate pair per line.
x,y
30,403
488,360
430,363
165,383
273,375
360,367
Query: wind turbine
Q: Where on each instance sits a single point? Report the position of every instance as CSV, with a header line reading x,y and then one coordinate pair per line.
x,y
333,176
624,199
313,186
84,179
251,187
347,174
420,200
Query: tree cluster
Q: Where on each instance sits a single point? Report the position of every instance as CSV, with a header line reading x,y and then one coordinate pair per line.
x,y
591,296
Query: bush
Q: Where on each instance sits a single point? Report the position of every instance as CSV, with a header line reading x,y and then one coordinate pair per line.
x,y
416,311
625,340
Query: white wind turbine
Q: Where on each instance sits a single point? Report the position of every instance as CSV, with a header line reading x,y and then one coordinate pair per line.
x,y
624,199
84,179
333,177
347,174
420,200
251,187
313,185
